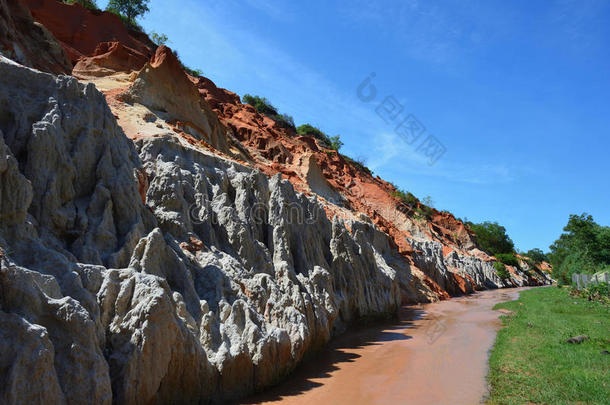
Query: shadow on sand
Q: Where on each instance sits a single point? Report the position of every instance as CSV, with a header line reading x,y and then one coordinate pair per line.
x,y
327,360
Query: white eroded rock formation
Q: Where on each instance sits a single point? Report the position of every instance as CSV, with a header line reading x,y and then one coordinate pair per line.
x,y
217,284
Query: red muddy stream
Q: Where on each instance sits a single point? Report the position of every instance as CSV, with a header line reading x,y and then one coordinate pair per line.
x,y
433,354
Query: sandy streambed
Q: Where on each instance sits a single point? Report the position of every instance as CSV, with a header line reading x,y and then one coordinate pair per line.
x,y
434,354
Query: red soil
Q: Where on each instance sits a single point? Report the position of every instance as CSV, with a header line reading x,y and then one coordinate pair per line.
x,y
110,57
99,39
80,30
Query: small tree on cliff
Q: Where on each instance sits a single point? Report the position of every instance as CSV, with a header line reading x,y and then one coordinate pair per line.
x,y
131,9
492,238
159,39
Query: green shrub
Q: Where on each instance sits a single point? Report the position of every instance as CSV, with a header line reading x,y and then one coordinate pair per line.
x,y
426,210
575,262
422,211
427,200
601,288
330,142
130,24
597,292
508,258
130,9
284,121
192,72
359,163
158,39
335,142
264,106
405,197
537,255
310,130
501,270
492,238
532,264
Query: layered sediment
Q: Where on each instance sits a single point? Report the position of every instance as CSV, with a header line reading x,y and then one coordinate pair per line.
x,y
162,242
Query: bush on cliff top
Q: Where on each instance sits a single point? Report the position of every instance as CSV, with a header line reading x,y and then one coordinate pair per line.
x,y
264,106
492,238
405,196
129,11
190,71
422,210
329,142
508,258
158,38
536,255
359,163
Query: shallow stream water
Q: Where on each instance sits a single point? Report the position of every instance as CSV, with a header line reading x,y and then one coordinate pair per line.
x,y
433,354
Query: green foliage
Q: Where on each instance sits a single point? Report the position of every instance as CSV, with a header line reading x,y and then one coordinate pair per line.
x,y
595,292
600,289
406,197
531,362
492,238
501,270
192,72
427,200
158,39
422,211
132,25
89,4
335,142
575,262
129,11
331,142
264,106
310,130
508,258
360,163
532,264
284,121
584,247
537,255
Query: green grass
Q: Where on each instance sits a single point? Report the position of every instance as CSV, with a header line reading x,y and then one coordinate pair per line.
x,y
531,361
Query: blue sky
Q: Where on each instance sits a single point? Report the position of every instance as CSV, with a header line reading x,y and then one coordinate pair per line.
x,y
517,92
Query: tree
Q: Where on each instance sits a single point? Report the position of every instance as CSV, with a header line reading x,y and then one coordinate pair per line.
x,y
537,255
492,238
131,9
264,106
159,39
584,247
331,142
335,142
427,200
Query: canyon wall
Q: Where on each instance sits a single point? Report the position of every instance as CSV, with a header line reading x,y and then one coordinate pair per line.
x,y
162,242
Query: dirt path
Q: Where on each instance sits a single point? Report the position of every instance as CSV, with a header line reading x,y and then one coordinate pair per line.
x,y
435,354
